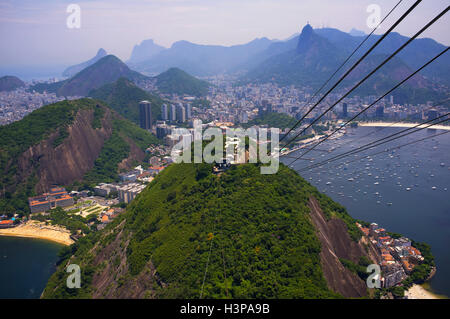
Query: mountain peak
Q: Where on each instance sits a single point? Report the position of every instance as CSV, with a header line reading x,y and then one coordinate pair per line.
x,y
306,38
307,29
101,52
74,69
145,50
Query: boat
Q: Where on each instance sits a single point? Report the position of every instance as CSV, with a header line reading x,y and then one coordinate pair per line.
x,y
434,188
408,189
351,179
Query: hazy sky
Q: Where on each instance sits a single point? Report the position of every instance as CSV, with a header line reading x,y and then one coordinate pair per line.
x,y
35,31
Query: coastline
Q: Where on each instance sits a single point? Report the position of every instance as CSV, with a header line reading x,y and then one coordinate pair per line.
x,y
420,292
401,125
38,230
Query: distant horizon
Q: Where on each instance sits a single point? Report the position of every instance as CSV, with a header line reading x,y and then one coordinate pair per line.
x,y
50,70
37,33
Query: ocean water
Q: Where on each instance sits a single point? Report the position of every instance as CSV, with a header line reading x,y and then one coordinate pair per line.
x,y
25,266
406,191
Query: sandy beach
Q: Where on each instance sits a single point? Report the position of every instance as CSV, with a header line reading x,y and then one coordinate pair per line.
x,y
35,229
418,292
403,125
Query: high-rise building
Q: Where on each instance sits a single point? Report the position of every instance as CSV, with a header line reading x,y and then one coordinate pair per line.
x,y
172,113
260,111
344,110
162,131
145,115
379,113
164,112
188,111
432,114
181,113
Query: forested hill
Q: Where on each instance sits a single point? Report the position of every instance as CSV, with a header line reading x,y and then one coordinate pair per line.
x,y
273,119
258,228
124,96
10,83
80,141
176,81
106,70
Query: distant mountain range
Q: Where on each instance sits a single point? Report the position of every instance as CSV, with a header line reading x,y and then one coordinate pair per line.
x,y
144,51
312,57
72,70
265,60
305,59
107,70
202,60
309,63
10,83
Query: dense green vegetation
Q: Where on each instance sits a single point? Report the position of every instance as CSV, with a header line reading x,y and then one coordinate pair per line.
x,y
201,103
17,137
72,222
48,87
320,129
55,119
176,81
360,268
273,119
106,70
117,149
113,152
124,96
258,226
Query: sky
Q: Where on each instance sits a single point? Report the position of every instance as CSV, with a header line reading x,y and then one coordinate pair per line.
x,y
35,32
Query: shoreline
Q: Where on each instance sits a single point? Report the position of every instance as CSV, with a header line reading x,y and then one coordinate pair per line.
x,y
38,230
420,292
402,125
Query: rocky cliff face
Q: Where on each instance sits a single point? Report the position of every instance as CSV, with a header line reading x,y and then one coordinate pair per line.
x,y
70,160
336,243
75,156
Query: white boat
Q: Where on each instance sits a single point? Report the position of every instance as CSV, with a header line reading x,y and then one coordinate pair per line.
x,y
434,188
408,189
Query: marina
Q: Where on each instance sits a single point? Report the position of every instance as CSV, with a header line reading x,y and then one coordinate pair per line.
x,y
385,188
